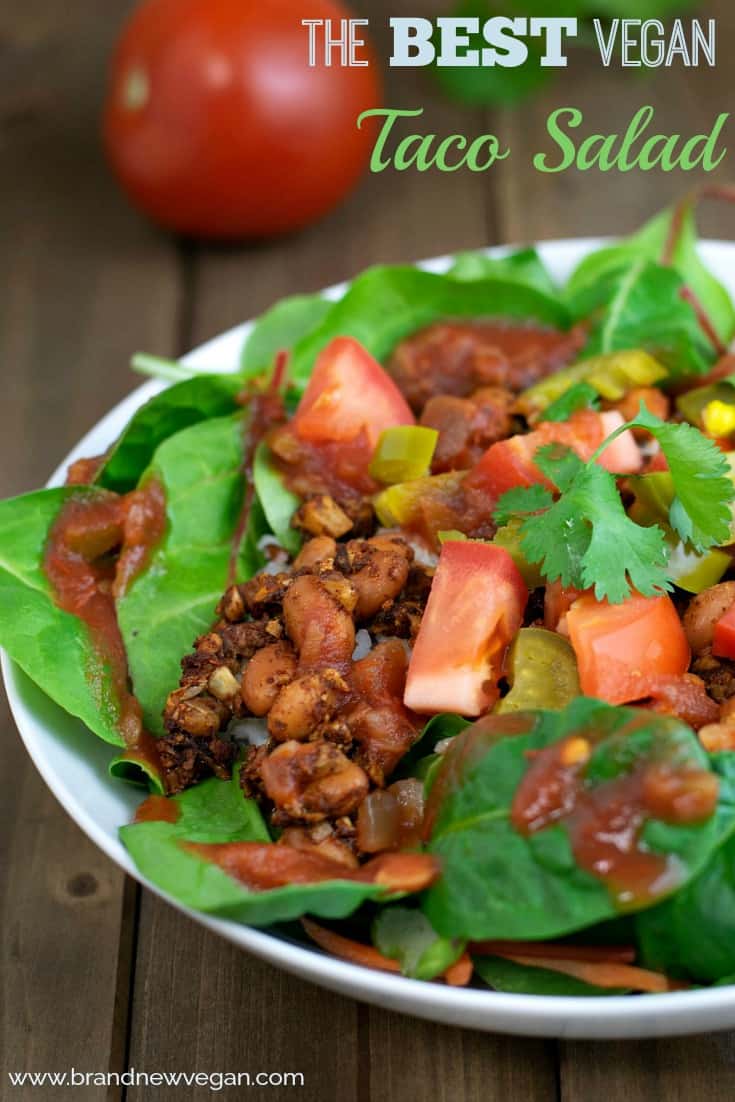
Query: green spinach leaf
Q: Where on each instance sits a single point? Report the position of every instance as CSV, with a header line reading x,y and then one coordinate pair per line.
x,y
647,311
279,328
406,935
169,412
173,600
524,979
277,501
498,883
595,282
439,727
386,304
215,811
52,646
524,266
692,934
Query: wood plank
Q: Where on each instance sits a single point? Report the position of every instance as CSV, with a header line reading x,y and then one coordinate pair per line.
x,y
682,1069
432,1063
83,278
202,1005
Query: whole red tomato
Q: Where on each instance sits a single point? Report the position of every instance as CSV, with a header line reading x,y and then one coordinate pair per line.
x,y
216,125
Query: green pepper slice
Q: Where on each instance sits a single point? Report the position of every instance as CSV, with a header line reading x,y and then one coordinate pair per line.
x,y
403,453
692,571
542,671
509,538
611,375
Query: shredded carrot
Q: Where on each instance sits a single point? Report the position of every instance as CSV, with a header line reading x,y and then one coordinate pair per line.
x,y
459,974
603,974
607,954
344,947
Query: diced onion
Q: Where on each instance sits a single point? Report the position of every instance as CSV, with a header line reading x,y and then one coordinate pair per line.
x,y
378,822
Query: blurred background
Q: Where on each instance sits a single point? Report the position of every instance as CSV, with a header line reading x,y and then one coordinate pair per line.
x,y
87,280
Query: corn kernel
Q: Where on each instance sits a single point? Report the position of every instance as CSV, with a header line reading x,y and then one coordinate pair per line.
x,y
718,418
575,751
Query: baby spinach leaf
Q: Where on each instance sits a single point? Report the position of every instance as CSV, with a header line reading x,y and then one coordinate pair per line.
x,y
167,413
173,600
386,304
524,266
279,328
216,811
277,501
692,934
648,312
406,935
439,727
524,979
498,883
50,645
595,281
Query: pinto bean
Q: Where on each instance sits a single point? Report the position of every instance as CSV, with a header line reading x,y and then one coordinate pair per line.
x,y
265,675
318,550
329,847
201,715
320,628
312,781
305,704
383,566
703,613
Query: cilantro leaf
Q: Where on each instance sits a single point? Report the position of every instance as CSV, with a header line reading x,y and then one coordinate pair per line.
x,y
521,499
587,540
700,512
559,463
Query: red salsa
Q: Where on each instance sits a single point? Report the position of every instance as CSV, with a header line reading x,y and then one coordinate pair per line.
x,y
86,572
158,809
605,820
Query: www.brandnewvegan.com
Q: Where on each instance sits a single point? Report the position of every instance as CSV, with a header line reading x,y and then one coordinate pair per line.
x,y
214,1080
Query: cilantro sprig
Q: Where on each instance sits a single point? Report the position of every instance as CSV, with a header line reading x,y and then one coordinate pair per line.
x,y
583,535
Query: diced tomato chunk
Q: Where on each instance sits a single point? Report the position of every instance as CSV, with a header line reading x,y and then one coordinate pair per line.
x,y
723,643
349,393
557,602
621,649
510,463
474,610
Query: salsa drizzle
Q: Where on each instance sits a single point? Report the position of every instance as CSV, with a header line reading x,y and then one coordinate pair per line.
x,y
86,575
605,820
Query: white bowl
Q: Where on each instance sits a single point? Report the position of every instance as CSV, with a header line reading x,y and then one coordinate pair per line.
x,y
74,765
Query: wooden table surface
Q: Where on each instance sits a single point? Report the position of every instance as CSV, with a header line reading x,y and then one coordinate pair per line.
x,y
97,974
